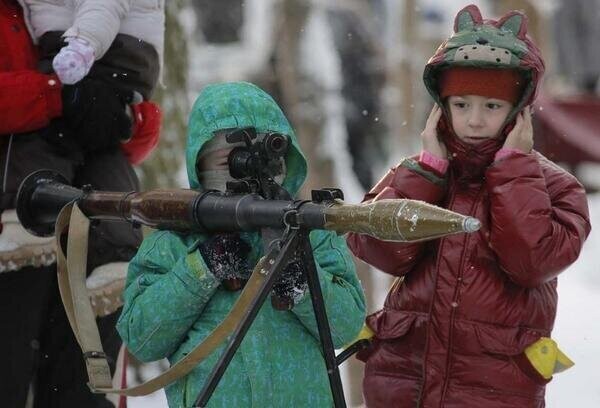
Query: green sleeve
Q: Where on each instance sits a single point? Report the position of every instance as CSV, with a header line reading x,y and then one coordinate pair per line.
x,y
167,288
342,292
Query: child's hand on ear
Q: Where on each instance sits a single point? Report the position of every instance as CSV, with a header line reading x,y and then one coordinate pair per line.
x,y
429,136
521,137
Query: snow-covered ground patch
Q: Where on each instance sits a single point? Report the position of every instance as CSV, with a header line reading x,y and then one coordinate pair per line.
x,y
577,328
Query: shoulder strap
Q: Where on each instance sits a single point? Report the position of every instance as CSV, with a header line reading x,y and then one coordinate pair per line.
x,y
71,271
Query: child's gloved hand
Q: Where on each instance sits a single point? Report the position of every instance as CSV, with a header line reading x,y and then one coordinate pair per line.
x,y
226,257
290,287
74,61
429,136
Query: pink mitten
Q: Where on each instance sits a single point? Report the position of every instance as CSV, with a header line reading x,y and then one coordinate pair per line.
x,y
74,60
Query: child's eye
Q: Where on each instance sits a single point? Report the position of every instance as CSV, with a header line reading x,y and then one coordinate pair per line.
x,y
493,106
460,105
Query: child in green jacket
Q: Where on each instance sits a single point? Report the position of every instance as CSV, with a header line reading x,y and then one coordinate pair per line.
x,y
176,290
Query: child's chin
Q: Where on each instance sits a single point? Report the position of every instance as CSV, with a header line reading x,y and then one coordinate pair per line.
x,y
475,141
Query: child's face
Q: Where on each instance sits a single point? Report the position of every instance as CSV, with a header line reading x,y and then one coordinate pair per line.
x,y
216,160
475,118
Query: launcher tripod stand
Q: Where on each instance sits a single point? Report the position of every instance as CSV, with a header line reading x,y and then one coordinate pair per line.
x,y
293,240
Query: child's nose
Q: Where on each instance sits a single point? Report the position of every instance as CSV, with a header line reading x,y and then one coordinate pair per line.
x,y
475,118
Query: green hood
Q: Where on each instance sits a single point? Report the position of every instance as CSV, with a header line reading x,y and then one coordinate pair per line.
x,y
237,105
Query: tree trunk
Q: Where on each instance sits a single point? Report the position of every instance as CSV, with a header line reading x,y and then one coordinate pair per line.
x,y
161,169
297,91
400,78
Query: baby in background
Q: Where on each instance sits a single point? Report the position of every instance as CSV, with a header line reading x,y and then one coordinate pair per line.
x,y
120,41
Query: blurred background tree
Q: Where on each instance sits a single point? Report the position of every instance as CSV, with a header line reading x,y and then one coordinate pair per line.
x,y
161,169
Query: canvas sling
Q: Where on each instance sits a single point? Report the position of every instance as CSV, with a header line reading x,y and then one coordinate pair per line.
x,y
71,271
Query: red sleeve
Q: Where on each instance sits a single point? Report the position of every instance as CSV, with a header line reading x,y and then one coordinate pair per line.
x,y
146,132
433,163
539,218
407,180
28,101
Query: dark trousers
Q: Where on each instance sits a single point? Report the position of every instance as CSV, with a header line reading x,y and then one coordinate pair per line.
x,y
37,344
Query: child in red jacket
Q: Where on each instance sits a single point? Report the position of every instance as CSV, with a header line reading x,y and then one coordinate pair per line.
x,y
454,332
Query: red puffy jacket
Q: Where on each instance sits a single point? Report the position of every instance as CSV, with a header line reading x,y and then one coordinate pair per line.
x,y
452,334
29,99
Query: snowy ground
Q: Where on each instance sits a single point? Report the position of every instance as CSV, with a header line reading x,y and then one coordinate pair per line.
x,y
577,330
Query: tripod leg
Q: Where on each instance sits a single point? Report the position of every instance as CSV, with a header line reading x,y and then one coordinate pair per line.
x,y
274,262
316,296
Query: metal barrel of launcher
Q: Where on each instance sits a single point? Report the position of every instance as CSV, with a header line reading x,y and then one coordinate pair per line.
x,y
43,194
401,220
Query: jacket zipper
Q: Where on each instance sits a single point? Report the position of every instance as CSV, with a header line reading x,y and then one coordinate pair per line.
x,y
462,262
437,268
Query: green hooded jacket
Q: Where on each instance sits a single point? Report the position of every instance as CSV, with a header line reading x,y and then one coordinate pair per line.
x,y
173,301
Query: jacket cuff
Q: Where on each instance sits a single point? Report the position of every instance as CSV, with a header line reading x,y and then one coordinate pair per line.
x,y
507,152
433,163
197,276
98,47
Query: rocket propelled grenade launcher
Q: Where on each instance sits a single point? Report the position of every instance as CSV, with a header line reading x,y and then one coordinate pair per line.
x,y
252,204
43,194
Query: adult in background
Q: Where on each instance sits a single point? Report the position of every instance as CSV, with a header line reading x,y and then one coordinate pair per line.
x,y
86,132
